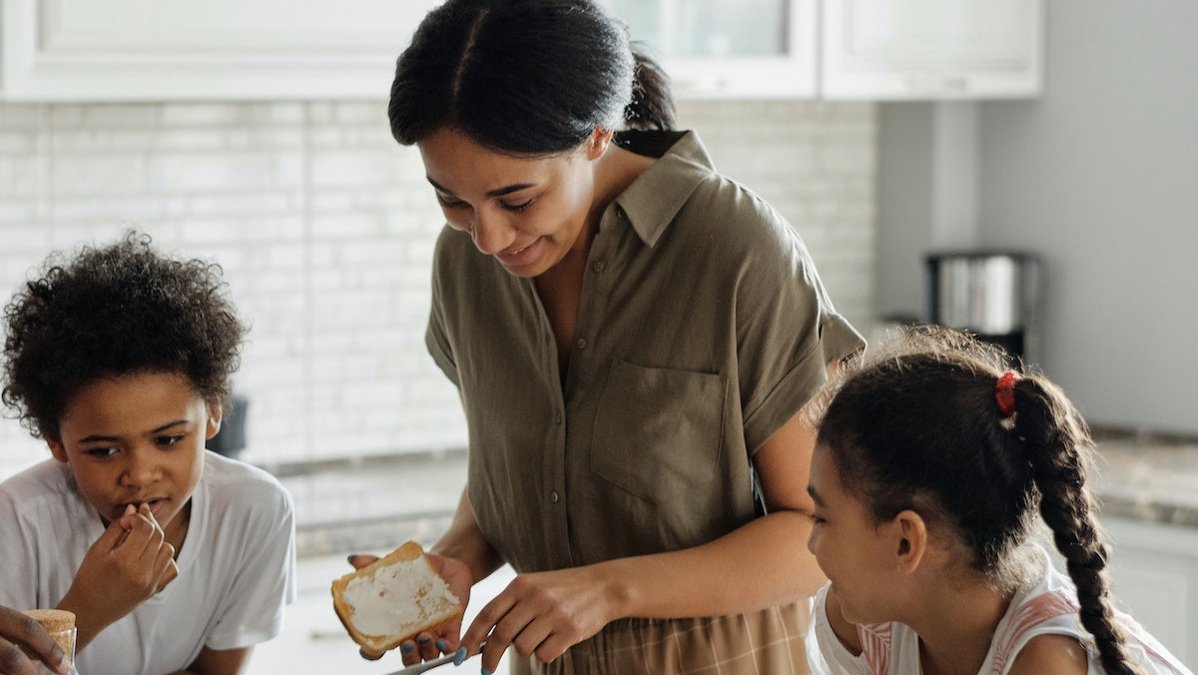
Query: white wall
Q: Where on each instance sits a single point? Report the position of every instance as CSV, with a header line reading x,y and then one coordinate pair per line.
x,y
1098,175
1101,176
325,229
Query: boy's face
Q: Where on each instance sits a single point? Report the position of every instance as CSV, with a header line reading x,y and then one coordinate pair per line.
x,y
134,439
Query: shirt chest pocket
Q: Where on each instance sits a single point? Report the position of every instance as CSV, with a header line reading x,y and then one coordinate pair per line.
x,y
658,431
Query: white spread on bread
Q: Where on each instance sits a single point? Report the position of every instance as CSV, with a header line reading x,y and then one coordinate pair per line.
x,y
382,603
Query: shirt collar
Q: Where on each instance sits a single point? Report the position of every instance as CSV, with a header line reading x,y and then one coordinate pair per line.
x,y
653,200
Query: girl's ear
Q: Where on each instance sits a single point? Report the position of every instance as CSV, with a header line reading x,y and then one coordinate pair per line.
x,y
215,410
598,142
57,449
912,541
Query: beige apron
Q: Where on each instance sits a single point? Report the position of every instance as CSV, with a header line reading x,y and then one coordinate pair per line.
x,y
767,642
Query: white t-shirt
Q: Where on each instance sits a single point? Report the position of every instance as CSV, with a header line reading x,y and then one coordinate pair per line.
x,y
236,568
1048,606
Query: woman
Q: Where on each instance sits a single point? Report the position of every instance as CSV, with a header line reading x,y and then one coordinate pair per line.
x,y
633,337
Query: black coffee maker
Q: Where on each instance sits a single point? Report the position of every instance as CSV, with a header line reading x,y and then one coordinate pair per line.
x,y
992,294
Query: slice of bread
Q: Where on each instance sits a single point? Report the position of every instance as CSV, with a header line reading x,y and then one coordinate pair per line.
x,y
393,599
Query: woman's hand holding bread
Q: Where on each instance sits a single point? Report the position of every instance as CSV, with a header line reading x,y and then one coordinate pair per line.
x,y
442,638
127,565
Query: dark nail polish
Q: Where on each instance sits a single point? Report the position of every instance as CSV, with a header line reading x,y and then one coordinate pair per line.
x,y
487,672
459,657
424,640
442,645
407,647
350,558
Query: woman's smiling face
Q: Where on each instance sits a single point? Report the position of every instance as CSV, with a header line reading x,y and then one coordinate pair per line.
x,y
527,212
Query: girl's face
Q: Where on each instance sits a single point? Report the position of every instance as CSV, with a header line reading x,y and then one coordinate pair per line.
x,y
135,439
856,554
527,212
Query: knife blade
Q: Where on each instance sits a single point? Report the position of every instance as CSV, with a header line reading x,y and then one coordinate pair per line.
x,y
429,665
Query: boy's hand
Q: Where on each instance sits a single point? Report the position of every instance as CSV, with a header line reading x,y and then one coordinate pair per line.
x,y
126,566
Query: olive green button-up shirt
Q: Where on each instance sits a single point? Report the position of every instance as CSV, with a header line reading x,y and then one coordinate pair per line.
x,y
702,328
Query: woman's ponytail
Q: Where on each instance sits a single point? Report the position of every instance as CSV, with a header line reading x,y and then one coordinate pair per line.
x,y
652,105
1055,437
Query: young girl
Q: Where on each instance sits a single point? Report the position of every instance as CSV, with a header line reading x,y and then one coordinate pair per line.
x,y
172,558
930,466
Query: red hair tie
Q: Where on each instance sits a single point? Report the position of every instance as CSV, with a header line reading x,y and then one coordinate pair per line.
x,y
1004,393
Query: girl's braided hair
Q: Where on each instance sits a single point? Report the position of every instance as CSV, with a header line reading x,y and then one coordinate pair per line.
x,y
918,427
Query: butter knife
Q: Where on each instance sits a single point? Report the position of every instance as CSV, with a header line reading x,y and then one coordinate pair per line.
x,y
429,665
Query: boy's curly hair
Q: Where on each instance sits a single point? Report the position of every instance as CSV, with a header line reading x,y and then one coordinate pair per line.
x,y
111,311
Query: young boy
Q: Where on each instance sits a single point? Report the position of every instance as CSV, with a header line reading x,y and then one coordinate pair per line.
x,y
173,558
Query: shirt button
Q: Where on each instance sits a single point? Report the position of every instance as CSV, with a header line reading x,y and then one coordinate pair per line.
x,y
599,266
553,497
582,343
558,419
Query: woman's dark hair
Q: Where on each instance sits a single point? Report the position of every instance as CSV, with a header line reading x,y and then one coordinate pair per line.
x,y
524,77
918,427
112,311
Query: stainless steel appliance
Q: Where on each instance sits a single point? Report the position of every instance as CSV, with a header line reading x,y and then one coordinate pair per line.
x,y
993,294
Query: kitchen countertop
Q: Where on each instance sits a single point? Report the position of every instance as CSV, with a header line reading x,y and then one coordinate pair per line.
x,y
1148,478
374,504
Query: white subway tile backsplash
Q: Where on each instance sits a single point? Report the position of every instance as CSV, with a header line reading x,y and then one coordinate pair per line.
x,y
345,224
65,117
14,212
255,205
370,252
16,143
372,113
191,140
22,242
100,174
225,172
117,116
98,207
22,117
20,176
325,230
351,169
204,114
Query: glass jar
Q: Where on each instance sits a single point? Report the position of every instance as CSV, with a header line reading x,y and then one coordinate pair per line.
x,y
60,624
66,641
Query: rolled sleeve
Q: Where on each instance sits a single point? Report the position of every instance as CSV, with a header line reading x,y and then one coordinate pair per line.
x,y
837,341
788,331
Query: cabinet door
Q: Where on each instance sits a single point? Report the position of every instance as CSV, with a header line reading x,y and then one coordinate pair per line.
x,y
79,50
931,49
1154,576
728,48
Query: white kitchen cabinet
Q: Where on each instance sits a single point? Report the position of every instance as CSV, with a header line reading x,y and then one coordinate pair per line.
x,y
1154,572
120,50
729,48
931,49
159,50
